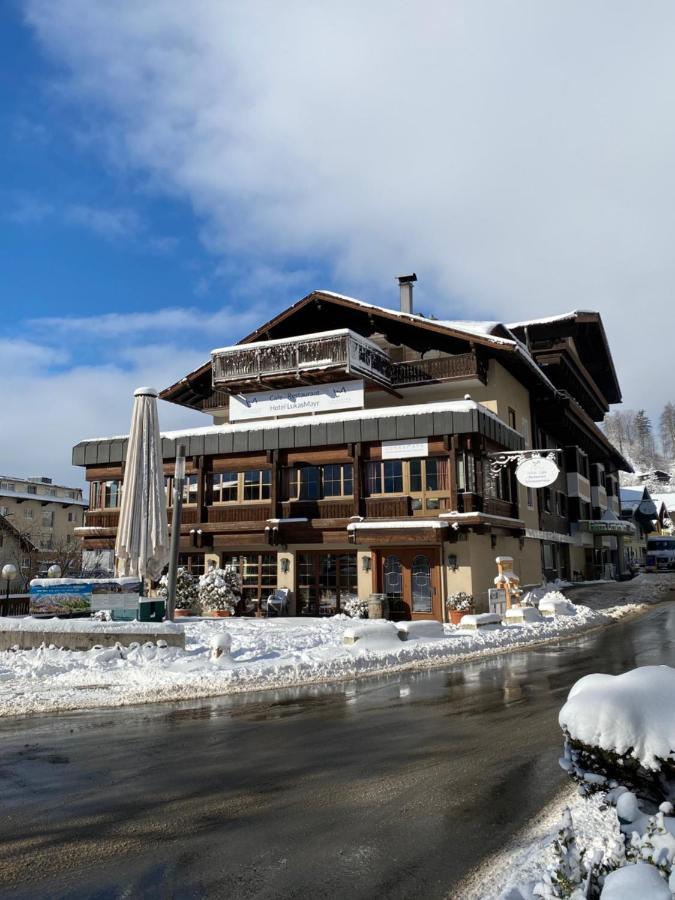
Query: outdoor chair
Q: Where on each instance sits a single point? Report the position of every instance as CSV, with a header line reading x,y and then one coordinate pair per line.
x,y
277,603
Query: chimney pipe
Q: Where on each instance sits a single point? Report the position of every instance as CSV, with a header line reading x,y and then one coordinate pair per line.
x,y
405,283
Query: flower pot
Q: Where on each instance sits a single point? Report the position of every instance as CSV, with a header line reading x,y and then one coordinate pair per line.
x,y
456,615
183,612
220,613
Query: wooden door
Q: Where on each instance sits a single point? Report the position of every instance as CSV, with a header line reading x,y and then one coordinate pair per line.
x,y
410,580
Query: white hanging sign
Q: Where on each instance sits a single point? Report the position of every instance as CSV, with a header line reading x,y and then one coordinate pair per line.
x,y
405,449
296,401
537,471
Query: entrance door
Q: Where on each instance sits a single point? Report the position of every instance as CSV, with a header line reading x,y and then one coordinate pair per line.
x,y
410,581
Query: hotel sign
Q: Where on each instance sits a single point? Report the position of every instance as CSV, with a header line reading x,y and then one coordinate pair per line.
x,y
537,471
405,449
319,398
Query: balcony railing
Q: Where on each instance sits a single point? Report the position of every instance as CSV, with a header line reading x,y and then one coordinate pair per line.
x,y
344,350
301,356
442,368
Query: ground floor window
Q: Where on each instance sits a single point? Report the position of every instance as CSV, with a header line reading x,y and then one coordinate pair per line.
x,y
193,562
325,582
258,573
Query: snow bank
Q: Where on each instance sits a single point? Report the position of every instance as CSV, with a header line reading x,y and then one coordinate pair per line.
x,y
428,629
630,713
87,626
517,615
265,653
372,636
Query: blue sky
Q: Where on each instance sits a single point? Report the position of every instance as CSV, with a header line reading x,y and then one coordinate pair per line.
x,y
171,175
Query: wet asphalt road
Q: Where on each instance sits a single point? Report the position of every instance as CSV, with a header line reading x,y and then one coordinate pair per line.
x,y
394,787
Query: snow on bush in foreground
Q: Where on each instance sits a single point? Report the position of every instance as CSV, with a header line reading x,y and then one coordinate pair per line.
x,y
632,714
266,653
618,730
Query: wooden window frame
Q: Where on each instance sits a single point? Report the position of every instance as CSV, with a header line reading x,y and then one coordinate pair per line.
x,y
240,476
423,495
263,586
292,482
341,591
168,486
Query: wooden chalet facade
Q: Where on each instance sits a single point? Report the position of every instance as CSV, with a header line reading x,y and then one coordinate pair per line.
x,y
349,454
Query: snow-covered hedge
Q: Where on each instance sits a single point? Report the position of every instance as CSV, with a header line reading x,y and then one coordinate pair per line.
x,y
220,589
630,715
460,602
187,594
356,608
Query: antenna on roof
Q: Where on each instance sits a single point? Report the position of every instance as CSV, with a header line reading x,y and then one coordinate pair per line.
x,y
405,283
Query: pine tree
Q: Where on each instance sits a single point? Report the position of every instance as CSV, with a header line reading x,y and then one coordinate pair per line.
x,y
564,878
645,440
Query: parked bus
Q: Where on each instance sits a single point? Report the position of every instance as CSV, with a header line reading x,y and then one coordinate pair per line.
x,y
660,553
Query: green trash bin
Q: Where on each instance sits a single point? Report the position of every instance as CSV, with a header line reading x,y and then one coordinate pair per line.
x,y
151,610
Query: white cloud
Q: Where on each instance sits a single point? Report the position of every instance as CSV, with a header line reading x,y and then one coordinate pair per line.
x,y
50,411
111,224
517,155
27,209
139,326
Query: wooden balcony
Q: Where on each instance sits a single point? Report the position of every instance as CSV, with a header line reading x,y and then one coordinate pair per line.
x,y
318,509
388,507
239,513
109,518
460,366
490,506
318,358
299,360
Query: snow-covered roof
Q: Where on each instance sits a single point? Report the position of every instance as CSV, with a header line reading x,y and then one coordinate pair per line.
x,y
668,501
44,498
482,329
296,338
298,421
545,320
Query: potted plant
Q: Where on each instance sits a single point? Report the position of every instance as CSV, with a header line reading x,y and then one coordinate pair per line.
x,y
459,604
187,596
219,591
356,608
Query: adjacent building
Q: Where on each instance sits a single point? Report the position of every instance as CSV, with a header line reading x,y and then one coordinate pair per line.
x,y
357,449
45,515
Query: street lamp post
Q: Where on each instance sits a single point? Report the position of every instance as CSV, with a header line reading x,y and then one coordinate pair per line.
x,y
178,484
9,574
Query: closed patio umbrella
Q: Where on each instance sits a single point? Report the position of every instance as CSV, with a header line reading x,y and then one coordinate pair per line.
x,y
142,545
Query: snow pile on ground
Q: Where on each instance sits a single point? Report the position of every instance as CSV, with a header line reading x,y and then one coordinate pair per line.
x,y
87,626
632,882
263,653
631,712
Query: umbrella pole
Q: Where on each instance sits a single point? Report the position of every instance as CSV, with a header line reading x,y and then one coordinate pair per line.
x,y
178,483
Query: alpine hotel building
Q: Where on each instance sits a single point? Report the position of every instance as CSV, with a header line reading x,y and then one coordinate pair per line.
x,y
350,454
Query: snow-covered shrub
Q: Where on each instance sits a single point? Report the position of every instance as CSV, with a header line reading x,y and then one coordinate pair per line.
x,y
620,732
564,878
622,727
220,589
356,608
187,595
460,602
